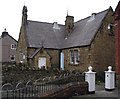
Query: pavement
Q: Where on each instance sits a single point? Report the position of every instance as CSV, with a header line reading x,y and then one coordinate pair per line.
x,y
101,93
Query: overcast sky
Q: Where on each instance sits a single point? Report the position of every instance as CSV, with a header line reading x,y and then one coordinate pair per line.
x,y
47,11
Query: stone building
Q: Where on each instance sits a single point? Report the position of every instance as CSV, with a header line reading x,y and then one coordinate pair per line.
x,y
75,45
8,48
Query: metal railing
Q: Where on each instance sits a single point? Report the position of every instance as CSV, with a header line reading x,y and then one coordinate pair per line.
x,y
39,87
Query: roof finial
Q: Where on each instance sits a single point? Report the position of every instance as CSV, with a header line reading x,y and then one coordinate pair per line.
x,y
67,12
4,29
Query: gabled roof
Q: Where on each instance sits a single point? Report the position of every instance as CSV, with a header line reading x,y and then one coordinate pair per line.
x,y
7,34
42,34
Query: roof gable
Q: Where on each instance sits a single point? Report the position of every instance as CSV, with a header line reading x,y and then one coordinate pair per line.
x,y
38,50
5,33
6,37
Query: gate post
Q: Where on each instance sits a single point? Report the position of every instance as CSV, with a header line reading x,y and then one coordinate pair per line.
x,y
109,79
90,78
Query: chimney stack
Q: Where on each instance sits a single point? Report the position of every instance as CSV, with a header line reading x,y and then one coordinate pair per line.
x,y
4,33
69,23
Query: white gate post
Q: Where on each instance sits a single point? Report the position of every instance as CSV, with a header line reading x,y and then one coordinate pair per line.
x,y
90,78
109,79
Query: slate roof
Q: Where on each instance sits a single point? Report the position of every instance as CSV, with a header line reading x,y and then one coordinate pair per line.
x,y
42,34
7,34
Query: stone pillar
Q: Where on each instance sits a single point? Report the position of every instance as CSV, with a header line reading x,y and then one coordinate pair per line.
x,y
90,78
109,79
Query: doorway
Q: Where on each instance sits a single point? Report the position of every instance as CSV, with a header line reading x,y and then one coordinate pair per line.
x,y
42,63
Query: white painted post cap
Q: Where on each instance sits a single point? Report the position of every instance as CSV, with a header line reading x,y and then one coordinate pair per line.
x,y
90,68
109,68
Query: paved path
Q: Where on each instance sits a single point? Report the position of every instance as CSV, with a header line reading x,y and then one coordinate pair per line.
x,y
100,92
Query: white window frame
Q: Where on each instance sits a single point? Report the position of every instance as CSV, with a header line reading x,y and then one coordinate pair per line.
x,y
71,57
11,57
74,57
39,62
13,45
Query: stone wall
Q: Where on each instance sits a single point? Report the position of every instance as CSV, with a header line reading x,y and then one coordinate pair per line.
x,y
21,47
102,49
52,57
42,53
55,57
83,59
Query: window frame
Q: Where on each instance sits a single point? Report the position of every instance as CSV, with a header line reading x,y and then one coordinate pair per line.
x,y
13,46
74,57
71,57
11,58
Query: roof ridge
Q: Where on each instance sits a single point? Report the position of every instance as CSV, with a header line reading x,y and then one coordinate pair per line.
x,y
44,22
9,36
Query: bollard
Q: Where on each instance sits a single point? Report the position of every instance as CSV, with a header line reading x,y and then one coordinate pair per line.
x,y
90,78
109,79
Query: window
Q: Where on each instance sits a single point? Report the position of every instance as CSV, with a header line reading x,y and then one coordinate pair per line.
x,y
12,57
13,46
74,57
22,56
71,56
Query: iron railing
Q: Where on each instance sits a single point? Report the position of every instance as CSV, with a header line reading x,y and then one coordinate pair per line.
x,y
39,87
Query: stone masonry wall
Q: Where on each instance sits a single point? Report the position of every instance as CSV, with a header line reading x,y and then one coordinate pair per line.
x,y
52,57
21,47
55,57
83,59
102,49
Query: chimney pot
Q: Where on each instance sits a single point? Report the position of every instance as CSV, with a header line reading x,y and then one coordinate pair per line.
x,y
4,33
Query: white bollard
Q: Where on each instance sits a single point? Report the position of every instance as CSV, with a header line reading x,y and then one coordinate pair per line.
x,y
90,78
109,79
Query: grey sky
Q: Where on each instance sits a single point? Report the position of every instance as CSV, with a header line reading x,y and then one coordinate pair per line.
x,y
48,11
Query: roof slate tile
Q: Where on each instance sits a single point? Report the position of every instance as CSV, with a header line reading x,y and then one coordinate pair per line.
x,y
42,34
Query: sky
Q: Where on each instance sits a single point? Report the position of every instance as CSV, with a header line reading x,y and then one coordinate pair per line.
x,y
48,11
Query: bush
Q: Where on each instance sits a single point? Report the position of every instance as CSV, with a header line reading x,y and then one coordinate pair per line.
x,y
100,76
